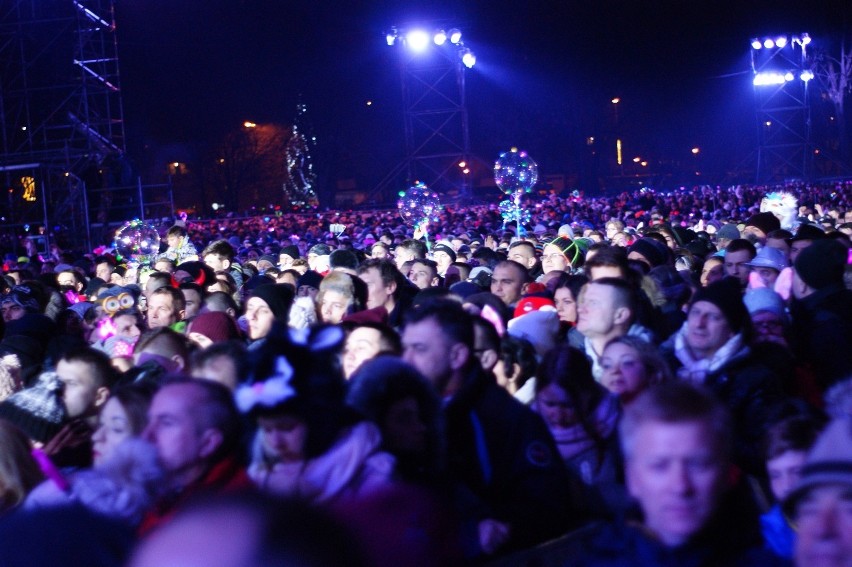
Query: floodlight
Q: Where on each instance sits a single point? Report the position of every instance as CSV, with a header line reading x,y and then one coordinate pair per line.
x,y
806,76
468,58
768,43
417,40
391,38
764,79
440,37
806,39
781,41
788,76
455,36
755,44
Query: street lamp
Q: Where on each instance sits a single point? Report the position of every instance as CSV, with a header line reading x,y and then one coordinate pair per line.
x,y
248,124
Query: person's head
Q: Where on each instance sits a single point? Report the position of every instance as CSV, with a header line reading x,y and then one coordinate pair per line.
x,y
19,471
318,258
805,236
165,266
566,290
268,303
768,314
408,250
561,254
712,270
509,281
219,301
383,280
819,266
367,341
630,366
821,503
21,300
716,313
423,273
566,394
124,415
607,262
87,376
155,281
758,226
486,343
380,251
516,363
104,266
443,255
675,438
163,346
768,265
606,308
523,252
128,324
193,424
166,306
613,227
738,257
71,279
651,250
339,295
193,297
787,444
438,340
223,362
174,236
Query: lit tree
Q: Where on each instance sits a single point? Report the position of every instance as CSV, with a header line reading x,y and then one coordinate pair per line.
x,y
835,77
300,184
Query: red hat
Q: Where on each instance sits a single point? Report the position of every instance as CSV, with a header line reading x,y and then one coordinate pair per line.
x,y
532,303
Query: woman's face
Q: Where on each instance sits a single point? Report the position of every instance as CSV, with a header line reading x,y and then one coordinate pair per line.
x,y
259,317
623,371
333,306
113,428
283,437
555,407
552,259
566,306
712,271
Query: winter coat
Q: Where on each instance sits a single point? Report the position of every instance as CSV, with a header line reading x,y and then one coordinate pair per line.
x,y
777,532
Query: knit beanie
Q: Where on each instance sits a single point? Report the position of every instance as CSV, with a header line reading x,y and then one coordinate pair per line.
x,y
652,250
292,251
573,250
726,295
445,249
540,328
343,258
279,297
764,299
729,231
822,263
37,411
766,222
23,296
531,303
215,325
271,258
310,278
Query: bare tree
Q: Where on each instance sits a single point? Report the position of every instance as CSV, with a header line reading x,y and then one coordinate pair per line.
x,y
835,78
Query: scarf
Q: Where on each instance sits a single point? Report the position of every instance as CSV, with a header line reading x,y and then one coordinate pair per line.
x,y
695,370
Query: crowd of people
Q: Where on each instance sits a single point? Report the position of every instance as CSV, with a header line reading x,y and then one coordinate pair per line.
x,y
643,379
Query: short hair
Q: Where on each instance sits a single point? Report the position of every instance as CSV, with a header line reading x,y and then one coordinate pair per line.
x,y
163,279
417,247
166,341
220,301
619,225
176,230
100,367
524,243
675,403
522,271
613,256
78,277
104,259
656,367
454,321
234,350
431,264
220,248
739,245
192,286
388,271
489,333
389,340
796,433
624,294
178,302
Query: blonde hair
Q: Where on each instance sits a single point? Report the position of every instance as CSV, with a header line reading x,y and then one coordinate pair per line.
x,y
19,471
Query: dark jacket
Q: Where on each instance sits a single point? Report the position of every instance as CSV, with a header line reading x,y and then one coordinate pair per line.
x,y
821,333
503,453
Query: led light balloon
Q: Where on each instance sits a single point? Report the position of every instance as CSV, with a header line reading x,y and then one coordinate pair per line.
x,y
137,241
515,171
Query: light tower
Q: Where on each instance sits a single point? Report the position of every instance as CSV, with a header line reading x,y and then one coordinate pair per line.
x,y
781,74
433,61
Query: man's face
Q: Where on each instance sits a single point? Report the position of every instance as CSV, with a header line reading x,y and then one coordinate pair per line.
x,y
426,347
103,271
754,234
362,344
217,262
12,311
443,260
596,310
507,284
379,252
797,247
193,302
523,255
259,317
824,521
333,306
173,240
552,259
67,279
378,293
421,275
707,329
161,311
126,326
735,265
677,473
767,275
174,431
401,256
79,392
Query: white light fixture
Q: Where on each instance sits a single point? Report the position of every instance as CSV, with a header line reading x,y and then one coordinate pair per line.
x,y
806,76
768,43
440,37
417,40
755,44
468,58
781,41
455,36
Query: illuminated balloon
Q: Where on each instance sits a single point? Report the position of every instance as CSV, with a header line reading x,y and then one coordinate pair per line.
x,y
515,172
137,241
418,205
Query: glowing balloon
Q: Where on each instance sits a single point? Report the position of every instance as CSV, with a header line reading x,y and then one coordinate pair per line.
x,y
418,205
515,172
137,241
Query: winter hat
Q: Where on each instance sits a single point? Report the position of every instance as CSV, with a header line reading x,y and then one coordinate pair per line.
x,y
573,250
24,297
538,327
529,304
725,294
807,232
822,263
93,285
481,276
829,462
38,411
292,251
310,279
81,308
320,249
446,249
343,259
768,257
670,282
279,297
199,272
215,325
766,222
273,260
465,289
764,299
729,231
566,231
652,250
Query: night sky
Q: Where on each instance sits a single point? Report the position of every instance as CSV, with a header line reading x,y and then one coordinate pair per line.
x,y
546,72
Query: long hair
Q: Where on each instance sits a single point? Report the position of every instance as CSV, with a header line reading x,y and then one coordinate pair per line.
x,y
19,472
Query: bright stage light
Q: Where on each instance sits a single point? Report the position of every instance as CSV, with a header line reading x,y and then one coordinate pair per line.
x,y
788,76
768,43
455,36
417,40
468,58
764,79
806,76
806,39
440,37
391,38
755,44
781,41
